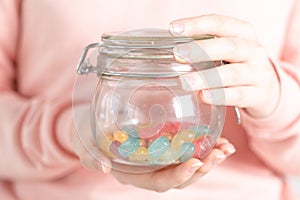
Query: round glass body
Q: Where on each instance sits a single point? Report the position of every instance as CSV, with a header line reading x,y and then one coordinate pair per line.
x,y
142,118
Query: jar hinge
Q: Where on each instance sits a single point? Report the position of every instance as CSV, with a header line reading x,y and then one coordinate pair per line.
x,y
84,66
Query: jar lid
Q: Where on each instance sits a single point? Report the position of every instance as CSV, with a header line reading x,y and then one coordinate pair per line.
x,y
149,49
149,37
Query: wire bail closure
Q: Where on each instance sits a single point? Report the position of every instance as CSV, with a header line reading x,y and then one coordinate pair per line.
x,y
83,66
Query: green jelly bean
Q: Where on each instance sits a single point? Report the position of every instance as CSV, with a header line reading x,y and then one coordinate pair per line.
x,y
186,151
128,147
158,147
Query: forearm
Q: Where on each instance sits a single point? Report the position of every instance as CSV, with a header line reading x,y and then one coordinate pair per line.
x,y
35,137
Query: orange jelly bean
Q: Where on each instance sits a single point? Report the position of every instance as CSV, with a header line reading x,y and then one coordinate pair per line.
x,y
120,136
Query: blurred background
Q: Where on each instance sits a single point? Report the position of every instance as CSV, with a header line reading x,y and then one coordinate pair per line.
x,y
296,185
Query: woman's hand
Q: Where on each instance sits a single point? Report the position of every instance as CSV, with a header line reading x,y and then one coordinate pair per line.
x,y
97,162
249,80
178,176
83,127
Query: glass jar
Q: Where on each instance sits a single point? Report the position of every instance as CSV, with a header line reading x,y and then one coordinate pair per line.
x,y
141,117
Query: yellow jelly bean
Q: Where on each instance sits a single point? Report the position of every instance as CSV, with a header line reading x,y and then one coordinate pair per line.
x,y
182,137
120,136
168,157
104,142
187,135
140,156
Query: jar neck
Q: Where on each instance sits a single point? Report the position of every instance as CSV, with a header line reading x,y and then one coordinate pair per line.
x,y
138,53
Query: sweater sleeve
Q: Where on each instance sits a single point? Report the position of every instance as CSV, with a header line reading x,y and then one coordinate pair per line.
x,y
35,132
276,138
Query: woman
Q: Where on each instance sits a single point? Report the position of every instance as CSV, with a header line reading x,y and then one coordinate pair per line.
x,y
40,45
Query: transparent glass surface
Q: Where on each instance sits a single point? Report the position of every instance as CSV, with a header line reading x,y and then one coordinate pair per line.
x,y
140,116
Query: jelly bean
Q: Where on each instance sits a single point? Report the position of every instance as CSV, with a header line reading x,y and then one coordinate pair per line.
x,y
120,136
149,142
176,127
169,136
158,147
131,131
114,148
202,146
142,143
200,130
187,135
104,142
128,147
170,127
180,138
176,142
140,156
187,151
168,157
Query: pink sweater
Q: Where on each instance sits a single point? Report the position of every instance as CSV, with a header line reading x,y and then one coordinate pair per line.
x,y
40,43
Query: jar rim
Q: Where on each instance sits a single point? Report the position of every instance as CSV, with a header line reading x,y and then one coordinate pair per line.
x,y
148,38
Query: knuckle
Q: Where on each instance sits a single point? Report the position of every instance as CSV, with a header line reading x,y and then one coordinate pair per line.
x,y
231,45
235,48
160,189
249,30
265,77
240,97
237,73
158,185
260,50
178,180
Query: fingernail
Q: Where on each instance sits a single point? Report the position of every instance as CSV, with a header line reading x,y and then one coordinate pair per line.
x,y
218,159
182,51
105,168
191,81
176,28
195,167
207,95
230,150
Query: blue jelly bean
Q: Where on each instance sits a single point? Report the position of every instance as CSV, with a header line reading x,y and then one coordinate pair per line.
x,y
158,147
128,147
200,130
186,151
130,130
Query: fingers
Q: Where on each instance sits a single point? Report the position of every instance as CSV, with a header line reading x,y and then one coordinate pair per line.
x,y
218,25
91,159
221,152
161,180
178,176
227,49
234,87
225,76
241,96
225,146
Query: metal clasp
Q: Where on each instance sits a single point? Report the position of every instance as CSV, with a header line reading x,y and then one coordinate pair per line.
x,y
238,115
83,66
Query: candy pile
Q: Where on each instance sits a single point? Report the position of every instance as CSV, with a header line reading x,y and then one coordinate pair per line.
x,y
173,143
